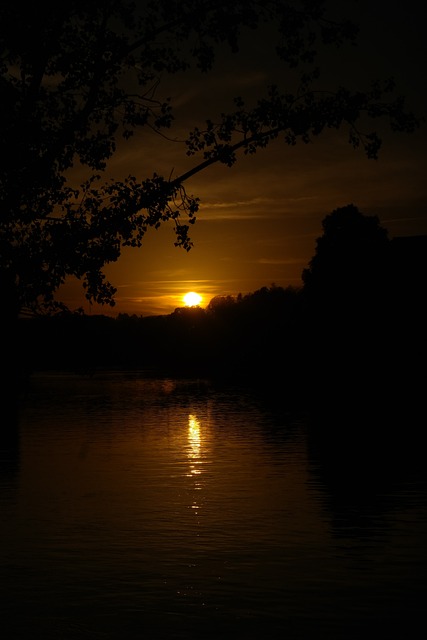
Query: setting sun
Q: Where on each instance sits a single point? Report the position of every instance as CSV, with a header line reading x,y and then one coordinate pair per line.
x,y
192,299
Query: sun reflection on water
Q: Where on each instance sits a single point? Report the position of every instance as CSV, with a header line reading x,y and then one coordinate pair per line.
x,y
195,455
195,445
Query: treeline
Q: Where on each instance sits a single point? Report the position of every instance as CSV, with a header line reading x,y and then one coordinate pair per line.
x,y
354,330
231,336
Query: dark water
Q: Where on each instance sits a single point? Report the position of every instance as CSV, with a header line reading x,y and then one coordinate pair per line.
x,y
135,508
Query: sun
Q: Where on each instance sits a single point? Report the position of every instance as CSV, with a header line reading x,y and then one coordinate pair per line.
x,y
192,299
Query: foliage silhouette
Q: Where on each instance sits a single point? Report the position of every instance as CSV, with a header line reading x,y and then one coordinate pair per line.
x,y
78,78
351,260
363,324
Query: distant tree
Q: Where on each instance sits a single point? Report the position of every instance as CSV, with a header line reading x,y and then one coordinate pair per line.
x,y
191,314
269,299
78,77
221,304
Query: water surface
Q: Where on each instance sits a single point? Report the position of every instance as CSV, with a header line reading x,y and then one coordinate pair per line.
x,y
145,508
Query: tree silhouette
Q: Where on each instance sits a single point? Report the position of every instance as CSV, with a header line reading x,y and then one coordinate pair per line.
x,y
351,265
364,327
78,77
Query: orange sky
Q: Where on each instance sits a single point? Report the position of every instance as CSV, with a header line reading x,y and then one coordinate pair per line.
x,y
258,222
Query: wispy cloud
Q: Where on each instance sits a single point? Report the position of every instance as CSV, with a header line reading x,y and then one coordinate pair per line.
x,y
279,261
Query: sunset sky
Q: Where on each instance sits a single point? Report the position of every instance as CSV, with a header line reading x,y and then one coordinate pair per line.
x,y
258,222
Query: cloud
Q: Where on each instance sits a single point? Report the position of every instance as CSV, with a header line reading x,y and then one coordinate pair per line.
x,y
278,261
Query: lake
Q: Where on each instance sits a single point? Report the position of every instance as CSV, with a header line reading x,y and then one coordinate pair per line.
x,y
136,507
